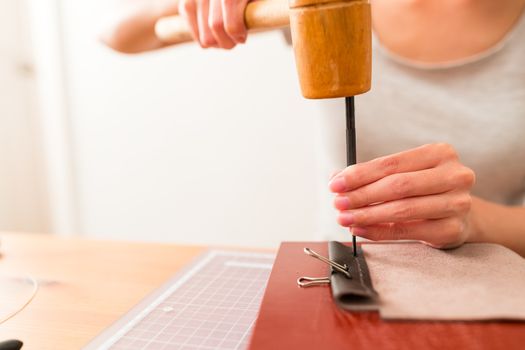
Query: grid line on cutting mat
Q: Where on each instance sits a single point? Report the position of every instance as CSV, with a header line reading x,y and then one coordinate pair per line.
x,y
212,304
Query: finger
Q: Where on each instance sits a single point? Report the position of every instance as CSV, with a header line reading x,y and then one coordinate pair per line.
x,y
334,173
206,37
442,233
188,9
416,208
216,24
233,11
404,185
424,157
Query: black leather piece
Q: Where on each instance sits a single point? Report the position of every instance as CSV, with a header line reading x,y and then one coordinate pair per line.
x,y
356,293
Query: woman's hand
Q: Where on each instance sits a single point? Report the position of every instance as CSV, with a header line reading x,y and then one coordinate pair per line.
x,y
215,23
420,194
130,25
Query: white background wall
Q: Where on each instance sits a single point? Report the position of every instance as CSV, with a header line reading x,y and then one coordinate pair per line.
x,y
23,198
183,145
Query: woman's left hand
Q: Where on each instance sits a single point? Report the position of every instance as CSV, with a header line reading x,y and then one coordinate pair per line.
x,y
420,194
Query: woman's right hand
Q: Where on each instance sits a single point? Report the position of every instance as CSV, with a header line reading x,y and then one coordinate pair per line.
x,y
215,23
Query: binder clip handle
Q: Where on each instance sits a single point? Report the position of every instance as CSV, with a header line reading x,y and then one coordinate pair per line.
x,y
312,281
341,268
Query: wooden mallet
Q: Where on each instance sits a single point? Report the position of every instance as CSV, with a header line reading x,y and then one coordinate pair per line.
x,y
331,41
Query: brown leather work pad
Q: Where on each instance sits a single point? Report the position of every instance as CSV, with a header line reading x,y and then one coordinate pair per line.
x,y
291,317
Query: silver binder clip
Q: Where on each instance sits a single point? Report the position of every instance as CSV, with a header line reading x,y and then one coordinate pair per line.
x,y
315,281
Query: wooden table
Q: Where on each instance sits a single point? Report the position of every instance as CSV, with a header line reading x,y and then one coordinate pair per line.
x,y
85,285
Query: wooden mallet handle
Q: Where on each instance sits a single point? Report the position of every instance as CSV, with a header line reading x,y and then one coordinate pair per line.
x,y
259,15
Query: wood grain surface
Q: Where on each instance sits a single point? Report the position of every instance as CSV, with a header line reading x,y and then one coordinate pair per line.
x,y
85,285
332,45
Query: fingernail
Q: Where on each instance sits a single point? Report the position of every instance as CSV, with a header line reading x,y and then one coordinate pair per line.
x,y
346,219
337,184
342,202
358,231
334,174
241,39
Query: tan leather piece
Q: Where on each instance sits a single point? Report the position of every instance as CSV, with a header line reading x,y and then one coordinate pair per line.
x,y
476,281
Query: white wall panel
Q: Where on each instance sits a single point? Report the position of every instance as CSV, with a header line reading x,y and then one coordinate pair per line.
x,y
188,145
23,204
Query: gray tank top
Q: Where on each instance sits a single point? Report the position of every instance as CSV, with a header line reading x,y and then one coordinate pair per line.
x,y
477,105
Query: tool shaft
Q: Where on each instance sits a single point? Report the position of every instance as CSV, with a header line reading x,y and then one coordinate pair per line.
x,y
351,154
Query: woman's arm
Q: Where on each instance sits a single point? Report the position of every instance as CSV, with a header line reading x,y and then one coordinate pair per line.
x,y
498,224
213,23
131,24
